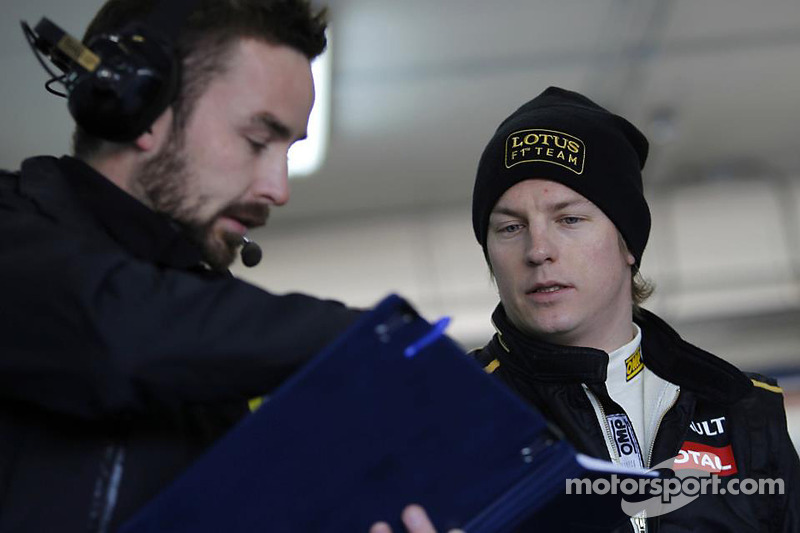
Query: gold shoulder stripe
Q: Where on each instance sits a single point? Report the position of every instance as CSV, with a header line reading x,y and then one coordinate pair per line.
x,y
255,403
491,367
767,386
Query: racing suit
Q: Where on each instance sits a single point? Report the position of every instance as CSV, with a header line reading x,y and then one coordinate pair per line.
x,y
718,416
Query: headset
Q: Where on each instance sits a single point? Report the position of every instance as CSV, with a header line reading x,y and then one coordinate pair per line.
x,y
119,82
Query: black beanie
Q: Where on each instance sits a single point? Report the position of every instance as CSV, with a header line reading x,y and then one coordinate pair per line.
x,y
563,136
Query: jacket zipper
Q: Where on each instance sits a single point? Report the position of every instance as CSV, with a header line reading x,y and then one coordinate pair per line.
x,y
658,426
601,414
107,489
641,521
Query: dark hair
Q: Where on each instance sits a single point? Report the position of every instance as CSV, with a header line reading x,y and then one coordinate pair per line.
x,y
207,38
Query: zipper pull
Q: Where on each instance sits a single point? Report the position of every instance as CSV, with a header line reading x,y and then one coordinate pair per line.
x,y
641,524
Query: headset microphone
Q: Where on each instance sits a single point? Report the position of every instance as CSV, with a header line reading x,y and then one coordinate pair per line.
x,y
250,253
65,51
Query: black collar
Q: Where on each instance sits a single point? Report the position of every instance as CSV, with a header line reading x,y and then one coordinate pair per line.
x,y
663,351
57,184
543,361
692,368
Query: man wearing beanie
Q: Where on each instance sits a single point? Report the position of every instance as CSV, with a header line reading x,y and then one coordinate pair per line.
x,y
559,210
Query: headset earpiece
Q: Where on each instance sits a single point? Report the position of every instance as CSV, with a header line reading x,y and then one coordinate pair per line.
x,y
120,83
135,82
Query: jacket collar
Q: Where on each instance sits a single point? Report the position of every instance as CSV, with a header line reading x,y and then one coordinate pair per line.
x,y
692,368
663,351
74,194
543,361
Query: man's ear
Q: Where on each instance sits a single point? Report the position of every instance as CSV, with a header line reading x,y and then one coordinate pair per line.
x,y
157,134
623,247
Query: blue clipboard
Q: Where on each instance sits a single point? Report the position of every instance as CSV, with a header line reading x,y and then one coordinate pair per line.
x,y
393,412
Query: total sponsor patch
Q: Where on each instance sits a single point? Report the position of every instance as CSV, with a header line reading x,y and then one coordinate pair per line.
x,y
712,459
545,146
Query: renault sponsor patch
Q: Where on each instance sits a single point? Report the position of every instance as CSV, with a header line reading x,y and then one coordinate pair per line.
x,y
545,146
709,428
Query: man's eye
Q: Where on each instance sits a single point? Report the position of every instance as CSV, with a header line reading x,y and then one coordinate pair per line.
x,y
510,228
256,146
571,220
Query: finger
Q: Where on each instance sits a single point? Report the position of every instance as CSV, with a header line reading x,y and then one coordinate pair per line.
x,y
380,527
416,520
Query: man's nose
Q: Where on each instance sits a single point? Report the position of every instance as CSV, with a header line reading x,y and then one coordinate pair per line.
x,y
540,248
272,181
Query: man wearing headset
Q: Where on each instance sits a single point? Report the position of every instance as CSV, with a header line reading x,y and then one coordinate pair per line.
x,y
126,347
559,210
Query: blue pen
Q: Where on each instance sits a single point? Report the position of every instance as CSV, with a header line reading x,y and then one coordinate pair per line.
x,y
436,331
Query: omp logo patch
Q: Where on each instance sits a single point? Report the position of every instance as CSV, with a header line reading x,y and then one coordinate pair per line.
x,y
546,146
707,458
625,440
633,364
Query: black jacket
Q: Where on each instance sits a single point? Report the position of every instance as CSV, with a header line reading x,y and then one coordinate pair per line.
x,y
552,378
121,356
